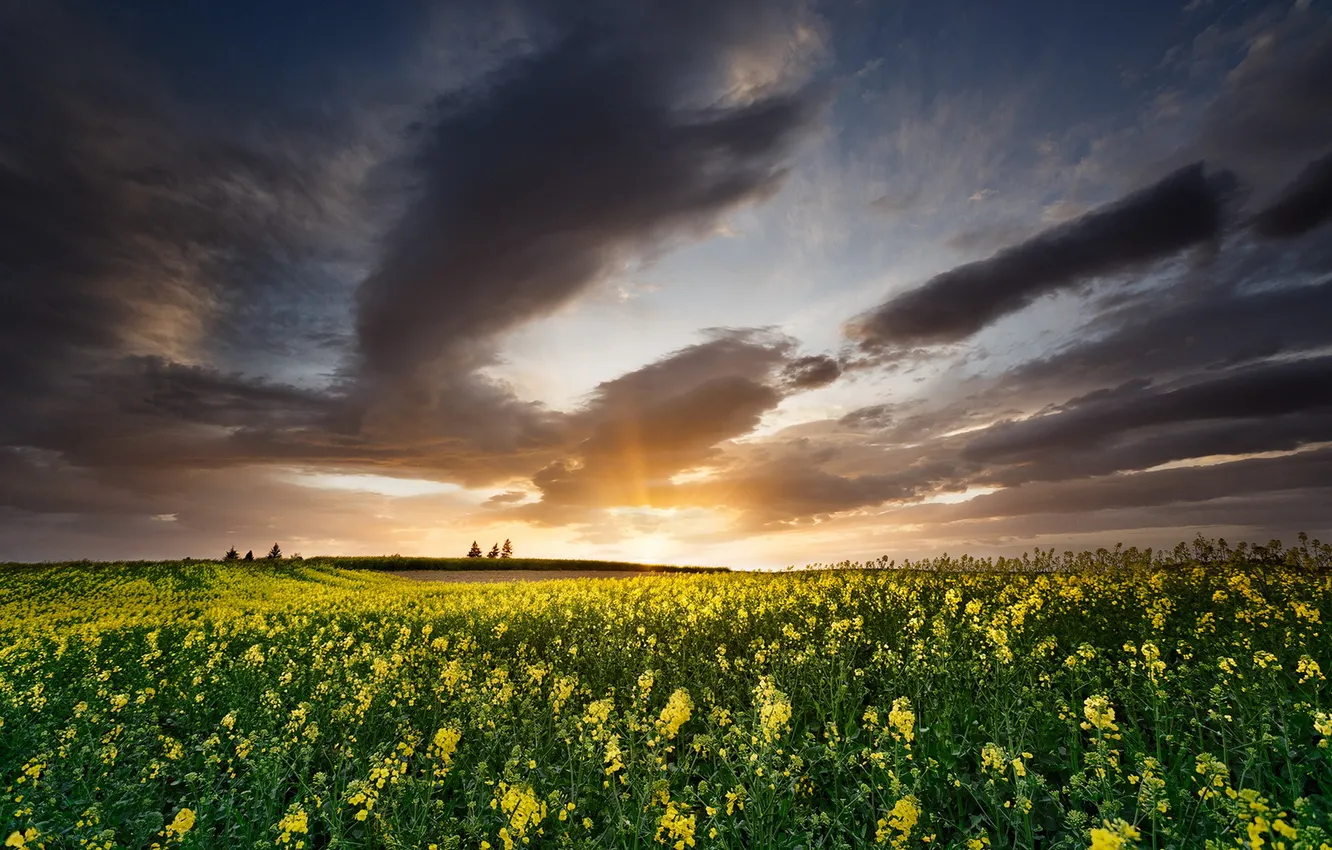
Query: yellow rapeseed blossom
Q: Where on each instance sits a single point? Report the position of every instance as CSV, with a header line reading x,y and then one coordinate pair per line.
x,y
1114,835
444,745
22,839
902,719
523,811
1099,713
613,756
992,758
1308,669
182,823
676,828
774,709
675,714
1322,723
294,823
897,825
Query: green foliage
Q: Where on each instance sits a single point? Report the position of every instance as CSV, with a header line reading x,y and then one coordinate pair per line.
x,y
237,705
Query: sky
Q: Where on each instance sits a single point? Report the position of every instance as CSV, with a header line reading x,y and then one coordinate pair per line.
x,y
757,283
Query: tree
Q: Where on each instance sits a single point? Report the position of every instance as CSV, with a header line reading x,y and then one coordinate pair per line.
x,y
494,551
475,551
232,555
274,553
249,555
507,551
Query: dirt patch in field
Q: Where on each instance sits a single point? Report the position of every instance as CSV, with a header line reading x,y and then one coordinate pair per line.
x,y
487,576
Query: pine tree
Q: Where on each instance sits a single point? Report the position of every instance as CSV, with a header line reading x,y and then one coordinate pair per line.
x,y
249,555
507,551
232,555
274,553
475,551
494,551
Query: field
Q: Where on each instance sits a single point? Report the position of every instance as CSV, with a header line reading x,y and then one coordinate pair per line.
x,y
1105,700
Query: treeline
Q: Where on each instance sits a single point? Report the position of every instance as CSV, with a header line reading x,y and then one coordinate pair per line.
x,y
274,554
496,551
1308,555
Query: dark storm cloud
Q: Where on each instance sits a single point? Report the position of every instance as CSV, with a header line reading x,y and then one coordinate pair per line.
x,y
1180,442
1260,392
1275,112
201,394
627,457
1310,469
1305,204
538,180
813,371
176,247
746,353
1182,209
793,489
135,222
667,417
1186,334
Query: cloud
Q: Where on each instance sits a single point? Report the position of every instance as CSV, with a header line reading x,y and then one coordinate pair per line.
x,y
539,180
1168,335
139,223
1266,391
1302,470
1305,204
668,417
1276,110
811,372
792,489
1182,209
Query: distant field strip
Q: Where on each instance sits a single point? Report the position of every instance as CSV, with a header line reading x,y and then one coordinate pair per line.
x,y
303,705
487,576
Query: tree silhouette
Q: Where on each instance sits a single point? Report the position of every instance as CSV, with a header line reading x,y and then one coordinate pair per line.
x,y
249,555
494,551
232,555
274,553
475,551
507,551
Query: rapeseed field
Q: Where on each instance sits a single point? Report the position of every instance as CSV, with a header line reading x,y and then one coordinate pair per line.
x,y
1104,700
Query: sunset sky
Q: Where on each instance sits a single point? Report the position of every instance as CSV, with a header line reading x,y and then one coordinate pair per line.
x,y
755,283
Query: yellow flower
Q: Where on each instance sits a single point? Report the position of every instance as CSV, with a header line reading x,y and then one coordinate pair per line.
x,y
524,811
1099,713
613,755
675,714
774,709
293,823
992,758
1113,836
445,744
677,827
902,720
181,824
1322,722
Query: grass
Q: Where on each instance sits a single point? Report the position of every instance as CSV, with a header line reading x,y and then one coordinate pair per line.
x,y
1109,700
